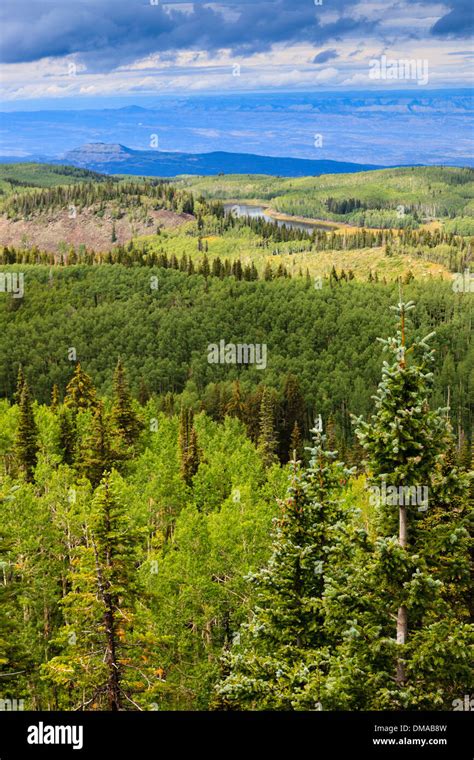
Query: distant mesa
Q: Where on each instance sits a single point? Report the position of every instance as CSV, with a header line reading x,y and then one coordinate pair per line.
x,y
115,158
133,109
99,153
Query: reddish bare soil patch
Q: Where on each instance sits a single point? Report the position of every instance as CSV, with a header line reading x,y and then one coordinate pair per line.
x,y
54,229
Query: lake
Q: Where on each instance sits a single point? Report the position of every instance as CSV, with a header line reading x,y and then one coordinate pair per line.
x,y
245,209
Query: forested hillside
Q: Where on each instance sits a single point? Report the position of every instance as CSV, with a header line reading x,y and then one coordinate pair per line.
x,y
219,489
145,220
385,198
161,321
14,177
129,532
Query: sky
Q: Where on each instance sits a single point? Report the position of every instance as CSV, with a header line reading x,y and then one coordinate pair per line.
x,y
94,50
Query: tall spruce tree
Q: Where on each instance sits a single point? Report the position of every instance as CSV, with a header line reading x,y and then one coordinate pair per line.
x,y
13,657
236,406
103,653
26,444
98,455
267,440
80,391
188,445
20,381
296,443
67,435
401,614
143,392
123,414
293,413
281,652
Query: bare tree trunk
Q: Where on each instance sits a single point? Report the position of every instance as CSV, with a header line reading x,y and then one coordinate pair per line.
x,y
113,685
402,535
402,619
113,681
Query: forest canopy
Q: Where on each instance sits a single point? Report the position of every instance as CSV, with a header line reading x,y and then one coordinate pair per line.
x,y
236,464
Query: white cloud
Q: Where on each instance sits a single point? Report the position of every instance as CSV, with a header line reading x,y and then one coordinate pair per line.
x,y
285,66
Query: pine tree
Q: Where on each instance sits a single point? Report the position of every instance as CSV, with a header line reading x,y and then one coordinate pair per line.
x,y
113,555
55,401
465,453
123,415
293,412
267,440
331,432
13,657
448,511
80,391
167,404
143,393
193,455
268,272
26,444
99,455
276,660
19,385
183,439
205,268
252,405
236,407
67,435
403,630
404,440
471,490
188,446
296,443
103,646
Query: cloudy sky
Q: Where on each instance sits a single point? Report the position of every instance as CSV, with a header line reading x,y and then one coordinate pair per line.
x,y
53,49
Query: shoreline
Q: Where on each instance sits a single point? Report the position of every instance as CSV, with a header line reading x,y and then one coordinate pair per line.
x,y
330,225
282,217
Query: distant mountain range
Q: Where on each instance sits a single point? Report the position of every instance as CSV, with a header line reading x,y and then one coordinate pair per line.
x,y
118,159
385,128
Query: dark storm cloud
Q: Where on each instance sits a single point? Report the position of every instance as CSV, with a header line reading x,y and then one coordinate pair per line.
x,y
459,22
110,33
325,56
